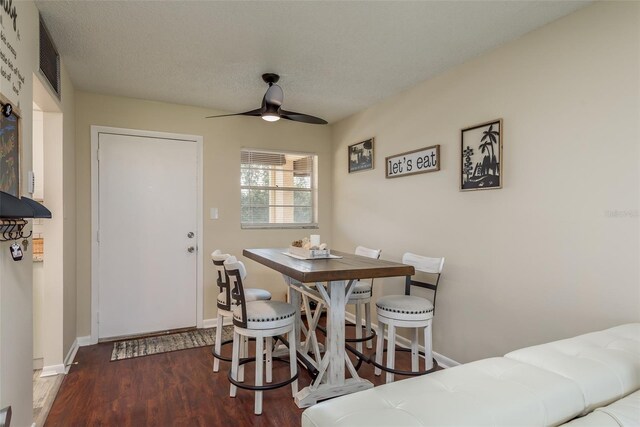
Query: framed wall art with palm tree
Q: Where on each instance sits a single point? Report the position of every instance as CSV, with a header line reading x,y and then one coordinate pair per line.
x,y
481,166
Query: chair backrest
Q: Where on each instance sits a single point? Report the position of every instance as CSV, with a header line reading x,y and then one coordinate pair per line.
x,y
425,265
218,259
237,272
369,253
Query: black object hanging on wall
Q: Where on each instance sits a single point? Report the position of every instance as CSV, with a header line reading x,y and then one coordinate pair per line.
x,y
13,215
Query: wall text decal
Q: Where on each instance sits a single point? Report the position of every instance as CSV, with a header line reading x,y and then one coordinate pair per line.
x,y
10,9
413,162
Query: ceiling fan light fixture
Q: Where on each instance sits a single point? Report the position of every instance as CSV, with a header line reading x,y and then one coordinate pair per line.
x,y
271,109
270,117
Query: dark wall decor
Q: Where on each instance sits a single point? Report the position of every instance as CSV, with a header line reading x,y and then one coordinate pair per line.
x,y
361,156
421,160
10,150
481,166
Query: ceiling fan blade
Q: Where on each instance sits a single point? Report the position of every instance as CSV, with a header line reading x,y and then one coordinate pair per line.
x,y
255,112
304,118
273,96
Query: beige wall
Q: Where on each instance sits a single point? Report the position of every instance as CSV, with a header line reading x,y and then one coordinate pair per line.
x,y
53,232
57,177
547,256
69,322
223,139
16,278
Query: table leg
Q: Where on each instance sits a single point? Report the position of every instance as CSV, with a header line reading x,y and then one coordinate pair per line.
x,y
332,382
294,299
335,333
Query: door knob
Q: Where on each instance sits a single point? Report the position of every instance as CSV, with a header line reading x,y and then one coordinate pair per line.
x,y
190,234
190,249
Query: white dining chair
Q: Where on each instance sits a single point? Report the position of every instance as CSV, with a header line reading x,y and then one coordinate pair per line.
x,y
361,298
261,320
226,305
408,311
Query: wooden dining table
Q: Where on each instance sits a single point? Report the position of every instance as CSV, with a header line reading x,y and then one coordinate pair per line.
x,y
328,282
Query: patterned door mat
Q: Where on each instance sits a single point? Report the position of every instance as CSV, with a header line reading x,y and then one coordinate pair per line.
x,y
164,343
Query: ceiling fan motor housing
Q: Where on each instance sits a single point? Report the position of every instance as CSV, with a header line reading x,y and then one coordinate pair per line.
x,y
270,78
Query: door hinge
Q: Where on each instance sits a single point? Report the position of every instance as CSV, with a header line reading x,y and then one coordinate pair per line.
x,y
98,236
98,317
98,155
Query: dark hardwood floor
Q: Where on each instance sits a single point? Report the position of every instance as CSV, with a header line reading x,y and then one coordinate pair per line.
x,y
173,389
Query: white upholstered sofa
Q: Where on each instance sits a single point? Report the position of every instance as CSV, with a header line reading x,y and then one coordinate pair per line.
x,y
589,380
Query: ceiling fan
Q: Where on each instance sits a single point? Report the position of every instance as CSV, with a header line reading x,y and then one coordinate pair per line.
x,y
271,109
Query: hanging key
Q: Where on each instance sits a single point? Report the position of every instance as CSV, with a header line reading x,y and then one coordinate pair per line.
x,y
16,252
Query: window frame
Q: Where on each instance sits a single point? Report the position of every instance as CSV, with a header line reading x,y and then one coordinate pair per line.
x,y
313,190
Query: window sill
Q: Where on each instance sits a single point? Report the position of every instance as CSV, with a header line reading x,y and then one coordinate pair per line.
x,y
278,226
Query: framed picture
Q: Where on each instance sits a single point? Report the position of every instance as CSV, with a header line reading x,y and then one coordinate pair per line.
x,y
413,162
481,166
10,152
361,156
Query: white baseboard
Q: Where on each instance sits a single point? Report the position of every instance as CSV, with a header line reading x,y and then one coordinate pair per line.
x,y
49,371
443,361
212,323
63,368
71,355
85,341
209,323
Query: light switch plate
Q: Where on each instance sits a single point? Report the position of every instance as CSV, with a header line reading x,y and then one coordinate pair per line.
x,y
31,182
213,213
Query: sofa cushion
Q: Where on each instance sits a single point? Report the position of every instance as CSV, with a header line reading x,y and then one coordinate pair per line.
x,y
495,391
594,419
605,364
624,412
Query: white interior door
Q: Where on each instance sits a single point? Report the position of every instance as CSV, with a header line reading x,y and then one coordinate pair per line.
x,y
147,209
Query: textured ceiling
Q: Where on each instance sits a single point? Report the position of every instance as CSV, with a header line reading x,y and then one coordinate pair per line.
x,y
334,57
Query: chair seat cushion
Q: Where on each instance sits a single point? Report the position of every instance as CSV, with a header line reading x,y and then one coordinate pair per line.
x,y
405,307
360,290
250,294
266,314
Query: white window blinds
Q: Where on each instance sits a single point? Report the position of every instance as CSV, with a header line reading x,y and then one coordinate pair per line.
x,y
277,189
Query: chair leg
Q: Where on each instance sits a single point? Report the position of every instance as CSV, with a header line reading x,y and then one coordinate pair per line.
x,y
218,344
391,352
293,364
259,374
379,346
235,360
367,322
428,357
269,359
415,366
244,352
358,326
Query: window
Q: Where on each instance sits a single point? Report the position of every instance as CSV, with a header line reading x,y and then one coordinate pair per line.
x,y
277,189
